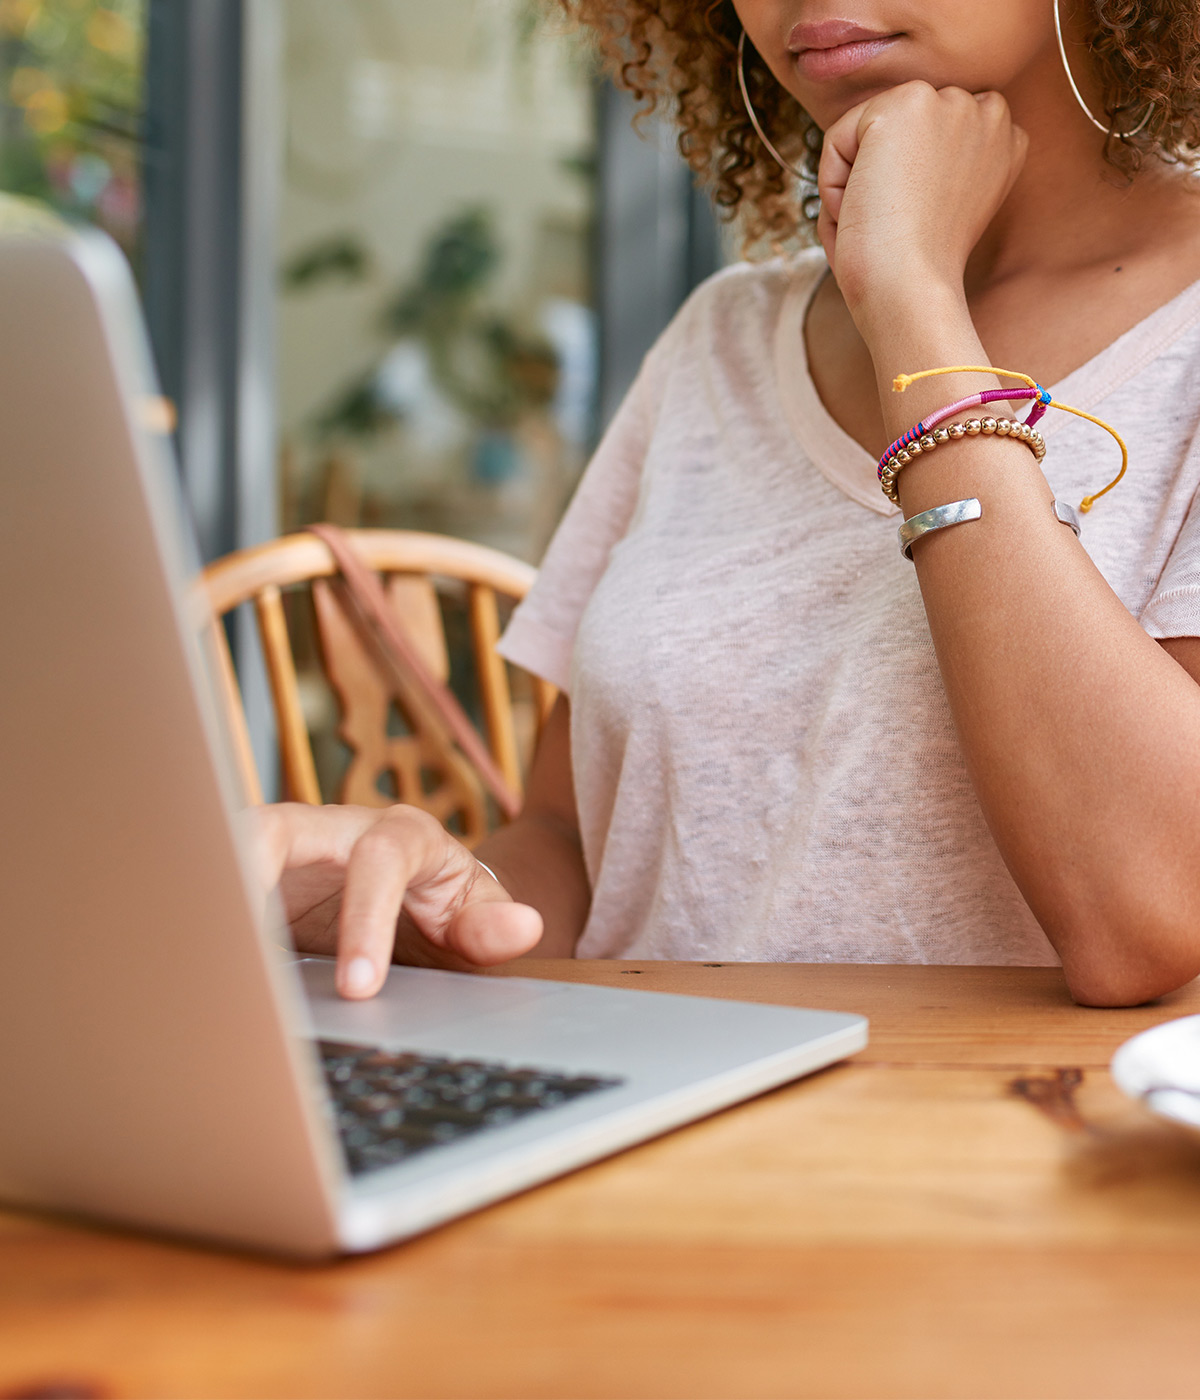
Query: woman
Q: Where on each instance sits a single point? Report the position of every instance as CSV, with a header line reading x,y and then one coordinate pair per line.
x,y
785,741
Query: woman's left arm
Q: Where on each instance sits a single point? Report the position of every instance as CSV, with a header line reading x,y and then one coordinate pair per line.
x,y
1080,732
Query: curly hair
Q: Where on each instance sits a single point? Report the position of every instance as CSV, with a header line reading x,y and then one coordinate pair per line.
x,y
681,56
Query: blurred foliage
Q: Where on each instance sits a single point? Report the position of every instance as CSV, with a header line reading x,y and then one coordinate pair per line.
x,y
359,411
71,107
343,257
488,366
459,262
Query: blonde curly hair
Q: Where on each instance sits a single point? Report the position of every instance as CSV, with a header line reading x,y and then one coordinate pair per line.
x,y
681,56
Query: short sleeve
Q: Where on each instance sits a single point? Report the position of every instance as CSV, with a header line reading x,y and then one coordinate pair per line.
x,y
541,634
1174,606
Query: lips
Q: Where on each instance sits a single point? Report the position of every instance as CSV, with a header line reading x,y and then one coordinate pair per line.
x,y
834,48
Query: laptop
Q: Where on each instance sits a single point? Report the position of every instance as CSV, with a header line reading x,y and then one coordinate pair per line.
x,y
166,1061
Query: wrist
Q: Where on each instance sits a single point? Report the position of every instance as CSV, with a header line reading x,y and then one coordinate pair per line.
x,y
914,337
906,306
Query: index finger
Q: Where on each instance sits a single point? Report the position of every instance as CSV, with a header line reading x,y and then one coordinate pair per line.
x,y
839,151
410,885
404,847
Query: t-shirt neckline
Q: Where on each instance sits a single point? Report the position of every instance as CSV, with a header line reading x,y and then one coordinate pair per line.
x,y
850,467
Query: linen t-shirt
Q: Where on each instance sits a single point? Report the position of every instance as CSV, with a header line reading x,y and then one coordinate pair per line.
x,y
764,760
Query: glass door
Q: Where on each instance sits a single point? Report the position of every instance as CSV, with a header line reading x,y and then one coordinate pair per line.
x,y
437,339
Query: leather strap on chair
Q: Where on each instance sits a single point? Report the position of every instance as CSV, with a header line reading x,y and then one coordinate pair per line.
x,y
403,664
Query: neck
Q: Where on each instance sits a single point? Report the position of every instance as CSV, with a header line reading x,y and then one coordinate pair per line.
x,y
1069,209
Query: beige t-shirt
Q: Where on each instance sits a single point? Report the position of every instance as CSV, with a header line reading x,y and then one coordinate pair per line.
x,y
765,764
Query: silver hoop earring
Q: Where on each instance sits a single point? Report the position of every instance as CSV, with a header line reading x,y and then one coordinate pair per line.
x,y
754,122
1099,125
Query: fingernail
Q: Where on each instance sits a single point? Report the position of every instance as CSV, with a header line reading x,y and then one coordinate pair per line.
x,y
359,975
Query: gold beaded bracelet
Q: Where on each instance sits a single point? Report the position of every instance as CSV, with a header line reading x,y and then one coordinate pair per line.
x,y
973,427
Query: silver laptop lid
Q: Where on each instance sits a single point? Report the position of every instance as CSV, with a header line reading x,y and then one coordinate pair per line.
x,y
130,942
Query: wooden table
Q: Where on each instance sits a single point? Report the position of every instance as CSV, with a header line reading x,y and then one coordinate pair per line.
x,y
969,1208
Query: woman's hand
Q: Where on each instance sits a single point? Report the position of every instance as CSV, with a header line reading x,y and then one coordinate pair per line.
x,y
908,181
376,884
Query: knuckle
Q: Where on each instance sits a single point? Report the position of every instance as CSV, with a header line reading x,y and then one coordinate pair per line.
x,y
918,90
409,829
385,836
403,818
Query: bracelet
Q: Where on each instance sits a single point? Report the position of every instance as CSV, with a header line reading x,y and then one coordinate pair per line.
x,y
974,427
927,425
1032,389
1067,514
490,871
939,518
957,513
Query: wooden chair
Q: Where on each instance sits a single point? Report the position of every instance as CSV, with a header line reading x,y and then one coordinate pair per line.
x,y
420,765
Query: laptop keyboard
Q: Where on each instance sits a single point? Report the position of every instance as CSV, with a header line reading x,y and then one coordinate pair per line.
x,y
391,1105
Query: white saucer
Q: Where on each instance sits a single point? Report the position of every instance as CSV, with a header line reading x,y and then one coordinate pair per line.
x,y
1161,1067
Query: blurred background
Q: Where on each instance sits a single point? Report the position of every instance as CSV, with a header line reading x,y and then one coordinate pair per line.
x,y
399,260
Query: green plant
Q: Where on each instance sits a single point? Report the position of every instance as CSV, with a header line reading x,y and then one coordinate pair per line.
x,y
486,364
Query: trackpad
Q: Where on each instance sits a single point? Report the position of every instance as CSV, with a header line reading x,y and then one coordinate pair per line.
x,y
413,1001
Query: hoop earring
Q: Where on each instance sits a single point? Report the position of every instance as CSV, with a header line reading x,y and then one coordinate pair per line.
x,y
754,122
1099,125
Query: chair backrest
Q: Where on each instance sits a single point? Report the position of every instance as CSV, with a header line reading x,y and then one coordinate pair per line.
x,y
420,766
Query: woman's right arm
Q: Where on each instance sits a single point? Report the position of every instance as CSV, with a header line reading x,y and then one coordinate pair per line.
x,y
376,885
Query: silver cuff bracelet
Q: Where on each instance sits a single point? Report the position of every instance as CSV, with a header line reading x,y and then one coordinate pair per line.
x,y
1068,515
957,513
939,518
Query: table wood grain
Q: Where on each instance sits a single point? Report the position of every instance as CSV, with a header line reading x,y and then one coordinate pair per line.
x,y
967,1208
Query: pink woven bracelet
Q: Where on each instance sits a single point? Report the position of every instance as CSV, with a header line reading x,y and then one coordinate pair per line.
x,y
926,425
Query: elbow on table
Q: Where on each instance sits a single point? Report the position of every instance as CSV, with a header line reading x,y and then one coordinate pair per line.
x,y
1114,969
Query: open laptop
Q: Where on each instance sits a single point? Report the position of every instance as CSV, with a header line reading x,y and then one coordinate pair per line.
x,y
164,1063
